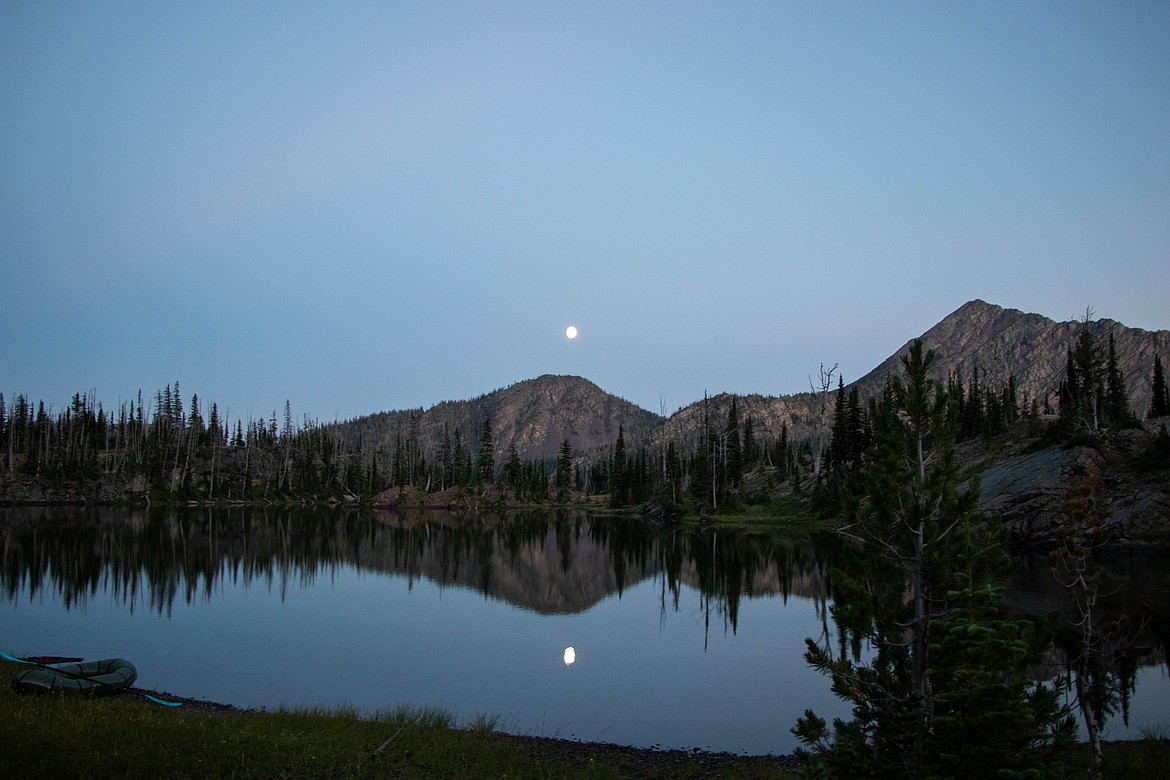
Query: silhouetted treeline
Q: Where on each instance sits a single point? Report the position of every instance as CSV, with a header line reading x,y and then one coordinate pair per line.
x,y
167,450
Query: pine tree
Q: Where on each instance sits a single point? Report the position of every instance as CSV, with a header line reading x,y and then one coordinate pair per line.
x,y
195,421
4,433
1160,399
1117,411
734,446
943,656
564,473
837,446
487,463
751,451
619,486
215,429
513,470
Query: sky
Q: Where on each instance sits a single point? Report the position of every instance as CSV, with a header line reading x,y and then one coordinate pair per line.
x,y
357,207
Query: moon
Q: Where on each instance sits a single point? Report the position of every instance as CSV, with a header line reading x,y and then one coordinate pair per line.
x,y
570,656
571,332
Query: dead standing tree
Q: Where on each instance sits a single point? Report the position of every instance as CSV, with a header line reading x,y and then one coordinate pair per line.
x,y
820,416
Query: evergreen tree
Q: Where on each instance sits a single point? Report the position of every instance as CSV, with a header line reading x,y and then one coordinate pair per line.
x,y
734,446
702,481
1117,410
513,475
942,654
564,473
195,421
215,429
837,447
1085,386
3,425
487,464
751,448
1160,399
781,456
619,486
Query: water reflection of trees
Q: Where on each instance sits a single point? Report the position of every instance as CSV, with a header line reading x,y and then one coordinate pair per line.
x,y
549,562
1099,653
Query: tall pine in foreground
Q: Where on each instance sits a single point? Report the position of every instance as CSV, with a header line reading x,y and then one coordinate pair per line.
x,y
944,694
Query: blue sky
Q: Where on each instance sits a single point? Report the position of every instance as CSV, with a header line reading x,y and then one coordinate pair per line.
x,y
369,206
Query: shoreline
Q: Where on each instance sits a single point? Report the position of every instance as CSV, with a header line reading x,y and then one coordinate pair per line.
x,y
575,752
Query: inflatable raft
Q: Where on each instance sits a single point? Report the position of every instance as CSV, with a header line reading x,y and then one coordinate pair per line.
x,y
91,678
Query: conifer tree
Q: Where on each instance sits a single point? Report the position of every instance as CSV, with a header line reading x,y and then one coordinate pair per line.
x,y
513,470
3,425
1160,399
564,473
734,446
619,487
487,463
1117,408
751,452
925,705
702,481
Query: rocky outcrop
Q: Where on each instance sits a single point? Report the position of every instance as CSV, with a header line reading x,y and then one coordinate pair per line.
x,y
1029,492
19,489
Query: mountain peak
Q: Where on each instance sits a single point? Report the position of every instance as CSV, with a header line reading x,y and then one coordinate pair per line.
x,y
1002,343
536,415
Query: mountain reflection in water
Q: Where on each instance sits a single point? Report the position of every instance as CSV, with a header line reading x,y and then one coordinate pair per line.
x,y
560,623
547,562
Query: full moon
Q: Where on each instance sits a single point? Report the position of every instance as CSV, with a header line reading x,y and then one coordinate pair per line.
x,y
571,332
570,656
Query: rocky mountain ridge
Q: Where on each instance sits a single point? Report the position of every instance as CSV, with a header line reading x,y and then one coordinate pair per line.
x,y
1008,342
536,415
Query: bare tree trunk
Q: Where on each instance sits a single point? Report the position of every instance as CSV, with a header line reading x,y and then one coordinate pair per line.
x,y
1092,724
820,407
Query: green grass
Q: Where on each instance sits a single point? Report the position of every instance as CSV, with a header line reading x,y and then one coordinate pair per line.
x,y
127,737
786,514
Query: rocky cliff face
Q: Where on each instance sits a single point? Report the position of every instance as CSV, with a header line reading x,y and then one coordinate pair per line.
x,y
1029,491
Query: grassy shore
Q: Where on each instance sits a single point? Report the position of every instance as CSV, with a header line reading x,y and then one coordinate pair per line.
x,y
126,736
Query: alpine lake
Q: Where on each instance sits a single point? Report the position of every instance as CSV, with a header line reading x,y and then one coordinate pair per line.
x,y
547,623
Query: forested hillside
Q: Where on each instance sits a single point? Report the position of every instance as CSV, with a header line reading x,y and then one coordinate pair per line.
x,y
561,438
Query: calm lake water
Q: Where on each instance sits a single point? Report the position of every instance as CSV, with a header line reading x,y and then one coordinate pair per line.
x,y
678,639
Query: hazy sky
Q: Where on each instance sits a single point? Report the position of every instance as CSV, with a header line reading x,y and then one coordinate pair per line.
x,y
368,206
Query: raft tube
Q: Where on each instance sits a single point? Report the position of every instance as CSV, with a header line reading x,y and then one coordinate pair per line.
x,y
92,678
